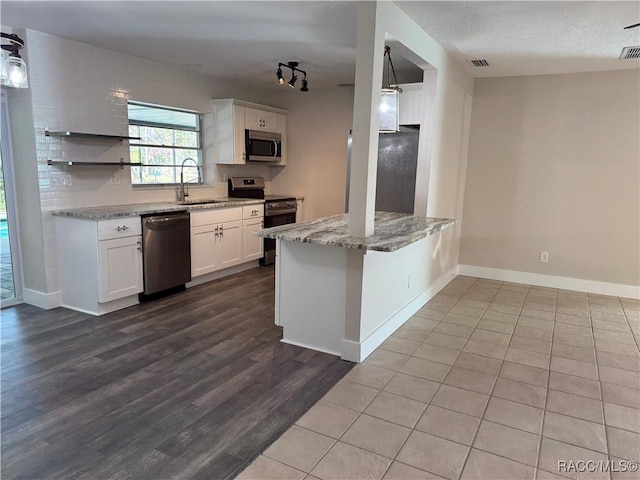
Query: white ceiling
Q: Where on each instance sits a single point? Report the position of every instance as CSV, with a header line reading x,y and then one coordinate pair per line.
x,y
244,40
532,37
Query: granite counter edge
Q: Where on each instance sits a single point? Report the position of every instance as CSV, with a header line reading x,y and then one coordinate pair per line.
x,y
89,213
390,245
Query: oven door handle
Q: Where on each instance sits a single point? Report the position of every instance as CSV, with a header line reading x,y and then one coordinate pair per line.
x,y
282,211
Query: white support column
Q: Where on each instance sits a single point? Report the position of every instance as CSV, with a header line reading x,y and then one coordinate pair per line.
x,y
364,156
364,162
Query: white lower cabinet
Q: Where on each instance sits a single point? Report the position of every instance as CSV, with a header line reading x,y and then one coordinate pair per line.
x,y
252,221
230,244
252,247
203,249
216,240
100,263
120,268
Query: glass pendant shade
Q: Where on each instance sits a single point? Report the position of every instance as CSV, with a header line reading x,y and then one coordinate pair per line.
x,y
389,100
16,73
3,67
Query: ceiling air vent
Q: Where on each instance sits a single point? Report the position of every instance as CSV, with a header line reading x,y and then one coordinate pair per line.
x,y
630,52
479,63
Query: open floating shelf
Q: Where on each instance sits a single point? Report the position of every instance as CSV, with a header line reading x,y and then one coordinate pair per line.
x,y
72,162
119,164
97,136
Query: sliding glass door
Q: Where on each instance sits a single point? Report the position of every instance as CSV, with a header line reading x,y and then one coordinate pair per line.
x,y
10,280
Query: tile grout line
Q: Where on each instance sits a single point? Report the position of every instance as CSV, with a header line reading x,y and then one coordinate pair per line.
x,y
466,459
546,398
604,418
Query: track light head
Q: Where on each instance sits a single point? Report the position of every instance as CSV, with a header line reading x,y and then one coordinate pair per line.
x,y
293,66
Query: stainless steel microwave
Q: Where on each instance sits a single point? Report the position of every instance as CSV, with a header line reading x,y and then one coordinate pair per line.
x,y
263,146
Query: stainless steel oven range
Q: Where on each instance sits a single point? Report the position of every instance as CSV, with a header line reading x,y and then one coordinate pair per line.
x,y
278,209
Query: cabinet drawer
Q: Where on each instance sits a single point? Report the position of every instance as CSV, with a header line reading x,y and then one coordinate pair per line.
x,y
253,211
215,215
119,228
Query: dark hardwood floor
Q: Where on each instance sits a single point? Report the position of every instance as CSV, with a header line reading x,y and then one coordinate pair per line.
x,y
190,386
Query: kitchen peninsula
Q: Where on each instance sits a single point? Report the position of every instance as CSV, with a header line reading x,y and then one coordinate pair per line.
x,y
317,261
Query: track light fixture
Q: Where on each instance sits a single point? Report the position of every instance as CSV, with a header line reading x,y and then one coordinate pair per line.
x,y
13,70
292,82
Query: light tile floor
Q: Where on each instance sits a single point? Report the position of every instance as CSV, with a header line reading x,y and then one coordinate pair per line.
x,y
489,380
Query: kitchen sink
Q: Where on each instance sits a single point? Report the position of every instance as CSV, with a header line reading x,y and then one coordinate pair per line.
x,y
200,202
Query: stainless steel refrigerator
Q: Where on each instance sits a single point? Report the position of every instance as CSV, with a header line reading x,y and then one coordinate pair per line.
x,y
397,165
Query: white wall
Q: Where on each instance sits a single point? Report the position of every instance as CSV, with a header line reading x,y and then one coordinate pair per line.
x,y
318,124
75,86
554,166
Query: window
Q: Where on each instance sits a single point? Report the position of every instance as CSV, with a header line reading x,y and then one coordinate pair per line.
x,y
168,137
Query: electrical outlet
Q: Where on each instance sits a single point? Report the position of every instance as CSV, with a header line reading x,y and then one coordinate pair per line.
x,y
544,257
60,180
115,179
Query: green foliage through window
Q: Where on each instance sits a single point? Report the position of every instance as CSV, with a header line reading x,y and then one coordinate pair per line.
x,y
167,138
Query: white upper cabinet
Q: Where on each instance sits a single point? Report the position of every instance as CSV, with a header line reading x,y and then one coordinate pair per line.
x,y
232,117
255,119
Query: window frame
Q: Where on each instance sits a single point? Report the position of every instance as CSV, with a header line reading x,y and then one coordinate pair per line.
x,y
173,148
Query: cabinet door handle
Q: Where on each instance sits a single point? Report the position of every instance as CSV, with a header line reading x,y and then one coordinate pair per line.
x,y
217,230
139,243
122,228
222,230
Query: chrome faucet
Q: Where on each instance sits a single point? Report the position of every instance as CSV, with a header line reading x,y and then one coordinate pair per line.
x,y
181,192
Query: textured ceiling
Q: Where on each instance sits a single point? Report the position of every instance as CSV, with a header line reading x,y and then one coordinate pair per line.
x,y
531,38
244,40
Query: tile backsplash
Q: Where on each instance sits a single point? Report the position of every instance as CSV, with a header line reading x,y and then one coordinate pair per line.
x,y
82,88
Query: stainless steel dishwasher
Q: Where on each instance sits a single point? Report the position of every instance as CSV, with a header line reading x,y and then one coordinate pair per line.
x,y
166,249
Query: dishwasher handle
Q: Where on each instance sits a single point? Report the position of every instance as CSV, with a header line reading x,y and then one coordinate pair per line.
x,y
157,222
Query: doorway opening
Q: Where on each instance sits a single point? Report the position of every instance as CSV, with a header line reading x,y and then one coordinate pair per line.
x,y
10,278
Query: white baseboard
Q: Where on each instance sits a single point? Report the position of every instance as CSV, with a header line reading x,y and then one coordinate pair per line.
x,y
207,277
98,309
553,281
358,352
47,301
309,347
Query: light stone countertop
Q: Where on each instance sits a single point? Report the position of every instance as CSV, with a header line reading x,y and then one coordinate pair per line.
x,y
392,231
118,211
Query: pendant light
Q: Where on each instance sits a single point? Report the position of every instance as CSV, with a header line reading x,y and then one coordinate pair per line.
x,y
13,72
3,67
389,97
